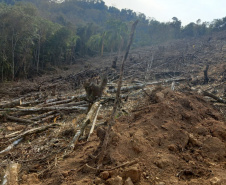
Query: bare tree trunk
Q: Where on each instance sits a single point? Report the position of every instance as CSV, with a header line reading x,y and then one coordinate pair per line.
x,y
14,43
117,100
102,48
147,73
2,64
120,47
206,79
39,43
13,60
2,72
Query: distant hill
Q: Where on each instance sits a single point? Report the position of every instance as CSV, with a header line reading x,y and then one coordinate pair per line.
x,y
37,34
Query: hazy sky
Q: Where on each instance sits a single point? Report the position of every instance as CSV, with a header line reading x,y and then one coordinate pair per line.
x,y
185,10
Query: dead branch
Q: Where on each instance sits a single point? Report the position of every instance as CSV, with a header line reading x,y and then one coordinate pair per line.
x,y
120,166
14,134
20,120
218,99
129,88
10,147
33,109
60,102
81,104
47,118
117,100
141,86
43,115
32,103
94,122
34,130
89,118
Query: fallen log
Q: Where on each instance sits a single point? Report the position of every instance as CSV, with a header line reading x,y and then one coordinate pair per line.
x,y
218,99
140,86
33,109
20,120
81,104
34,130
59,102
14,134
125,89
32,103
94,122
42,115
47,118
55,100
90,116
11,104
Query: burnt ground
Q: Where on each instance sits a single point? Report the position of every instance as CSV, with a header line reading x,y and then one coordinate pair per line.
x,y
176,137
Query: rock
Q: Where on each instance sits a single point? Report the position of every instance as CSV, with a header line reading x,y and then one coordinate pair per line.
x,y
200,130
115,181
65,173
194,141
113,173
97,180
133,172
218,130
159,97
172,147
128,181
163,163
136,148
104,175
215,181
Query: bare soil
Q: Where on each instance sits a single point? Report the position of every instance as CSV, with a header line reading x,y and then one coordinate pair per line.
x,y
176,137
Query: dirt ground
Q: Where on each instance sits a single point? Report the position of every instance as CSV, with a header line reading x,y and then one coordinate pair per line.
x,y
162,136
178,139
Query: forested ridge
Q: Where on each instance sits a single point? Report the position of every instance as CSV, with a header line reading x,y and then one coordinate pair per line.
x,y
38,35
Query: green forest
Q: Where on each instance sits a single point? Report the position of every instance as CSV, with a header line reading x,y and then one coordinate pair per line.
x,y
38,35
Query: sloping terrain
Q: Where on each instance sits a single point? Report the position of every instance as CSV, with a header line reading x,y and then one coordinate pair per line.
x,y
175,137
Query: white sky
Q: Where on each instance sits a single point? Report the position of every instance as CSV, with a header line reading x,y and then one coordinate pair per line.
x,y
185,10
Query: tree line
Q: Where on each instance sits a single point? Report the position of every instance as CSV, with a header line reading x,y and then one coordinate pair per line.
x,y
37,35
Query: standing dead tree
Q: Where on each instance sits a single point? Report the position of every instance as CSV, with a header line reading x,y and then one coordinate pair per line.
x,y
114,63
117,99
206,79
148,65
